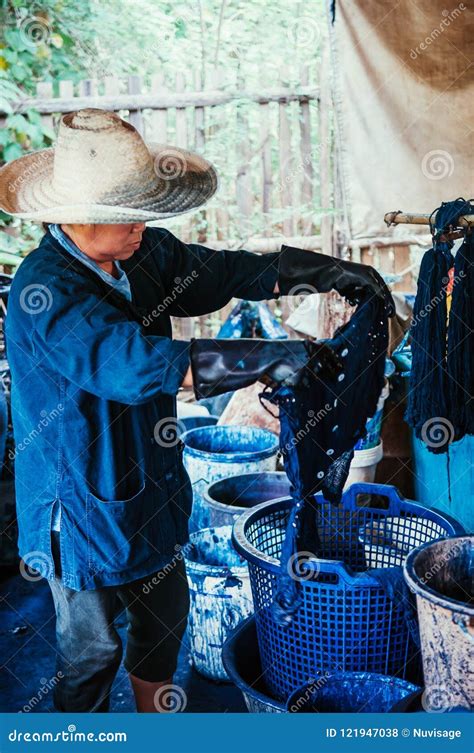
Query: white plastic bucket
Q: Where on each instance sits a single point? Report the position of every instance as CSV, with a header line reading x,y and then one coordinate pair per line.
x,y
364,465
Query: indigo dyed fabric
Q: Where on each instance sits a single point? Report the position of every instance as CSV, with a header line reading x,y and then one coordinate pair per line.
x,y
440,398
320,422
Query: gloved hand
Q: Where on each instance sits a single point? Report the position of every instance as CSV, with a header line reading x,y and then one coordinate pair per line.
x,y
354,281
220,366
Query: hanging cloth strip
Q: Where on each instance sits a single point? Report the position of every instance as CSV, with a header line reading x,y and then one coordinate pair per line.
x,y
321,419
440,399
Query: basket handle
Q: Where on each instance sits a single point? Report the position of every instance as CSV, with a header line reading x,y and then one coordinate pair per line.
x,y
336,567
389,491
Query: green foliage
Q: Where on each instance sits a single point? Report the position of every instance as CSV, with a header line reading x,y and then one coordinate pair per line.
x,y
222,42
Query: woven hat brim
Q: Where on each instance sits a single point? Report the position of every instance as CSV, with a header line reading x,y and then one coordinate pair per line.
x,y
184,181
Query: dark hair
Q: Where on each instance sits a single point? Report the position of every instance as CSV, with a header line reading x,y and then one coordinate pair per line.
x,y
45,226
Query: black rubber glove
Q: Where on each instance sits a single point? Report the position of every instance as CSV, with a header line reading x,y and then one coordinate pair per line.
x,y
220,366
297,267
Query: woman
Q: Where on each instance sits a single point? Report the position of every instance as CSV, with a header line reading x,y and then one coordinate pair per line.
x,y
103,499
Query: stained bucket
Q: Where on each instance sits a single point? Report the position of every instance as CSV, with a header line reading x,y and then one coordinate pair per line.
x,y
215,452
230,497
441,574
220,597
242,662
364,465
350,693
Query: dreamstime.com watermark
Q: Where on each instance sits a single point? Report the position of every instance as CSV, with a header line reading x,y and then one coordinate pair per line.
x,y
441,563
71,735
43,423
180,555
180,286
46,687
448,17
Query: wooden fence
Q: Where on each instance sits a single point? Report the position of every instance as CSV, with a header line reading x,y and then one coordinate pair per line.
x,y
272,146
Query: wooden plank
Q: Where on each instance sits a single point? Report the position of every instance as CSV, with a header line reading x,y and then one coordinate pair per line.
x,y
306,225
47,104
267,177
135,117
284,135
111,86
181,137
44,90
159,116
243,183
199,145
325,144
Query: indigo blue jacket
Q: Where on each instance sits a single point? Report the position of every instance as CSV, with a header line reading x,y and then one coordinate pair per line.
x,y
94,382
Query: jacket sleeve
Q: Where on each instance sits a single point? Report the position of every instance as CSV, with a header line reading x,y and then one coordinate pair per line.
x,y
200,280
97,348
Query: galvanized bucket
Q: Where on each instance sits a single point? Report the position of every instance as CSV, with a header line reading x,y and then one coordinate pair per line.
x,y
215,452
230,497
441,574
220,597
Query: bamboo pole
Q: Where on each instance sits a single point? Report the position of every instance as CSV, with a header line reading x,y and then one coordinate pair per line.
x,y
47,104
403,218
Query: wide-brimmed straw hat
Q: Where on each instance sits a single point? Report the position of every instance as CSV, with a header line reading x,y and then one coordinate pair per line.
x,y
101,171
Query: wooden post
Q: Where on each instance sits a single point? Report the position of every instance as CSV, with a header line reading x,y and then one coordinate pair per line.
x,y
159,117
306,225
267,181
135,117
325,154
286,177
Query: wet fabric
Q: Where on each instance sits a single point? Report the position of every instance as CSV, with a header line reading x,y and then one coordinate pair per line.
x,y
440,403
321,419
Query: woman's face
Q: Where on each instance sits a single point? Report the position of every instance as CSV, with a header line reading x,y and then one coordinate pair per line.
x,y
107,242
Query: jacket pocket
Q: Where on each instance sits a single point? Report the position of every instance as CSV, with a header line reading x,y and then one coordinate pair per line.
x,y
124,534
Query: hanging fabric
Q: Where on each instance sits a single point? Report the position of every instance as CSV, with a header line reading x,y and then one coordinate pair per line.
x,y
441,382
321,419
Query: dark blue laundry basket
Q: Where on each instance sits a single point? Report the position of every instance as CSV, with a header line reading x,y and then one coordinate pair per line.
x,y
346,621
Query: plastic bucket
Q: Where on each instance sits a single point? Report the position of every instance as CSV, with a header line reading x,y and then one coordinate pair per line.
x,y
242,662
230,497
215,452
374,424
364,466
441,574
351,693
220,597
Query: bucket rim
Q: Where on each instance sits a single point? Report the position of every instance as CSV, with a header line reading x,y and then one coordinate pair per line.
x,y
234,509
214,571
255,557
425,591
229,457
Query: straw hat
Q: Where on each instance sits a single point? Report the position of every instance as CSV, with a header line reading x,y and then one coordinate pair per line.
x,y
101,171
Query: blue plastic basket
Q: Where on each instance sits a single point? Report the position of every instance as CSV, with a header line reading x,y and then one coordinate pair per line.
x,y
346,621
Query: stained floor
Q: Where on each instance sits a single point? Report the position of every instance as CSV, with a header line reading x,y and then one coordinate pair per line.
x,y
27,656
